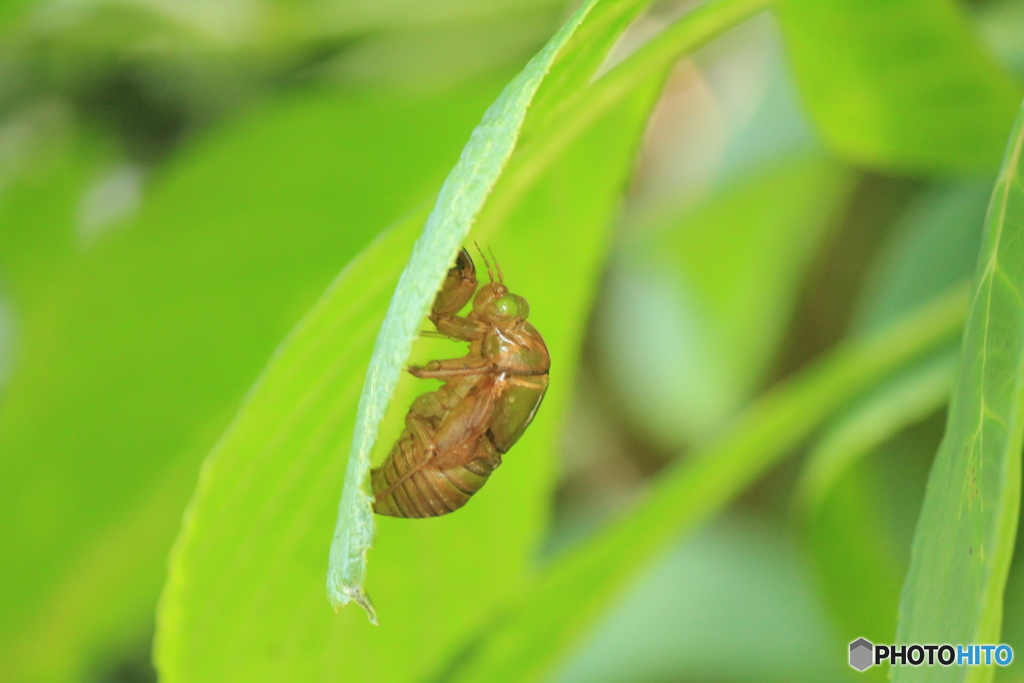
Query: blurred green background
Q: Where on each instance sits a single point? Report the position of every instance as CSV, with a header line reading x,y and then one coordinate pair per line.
x,y
180,182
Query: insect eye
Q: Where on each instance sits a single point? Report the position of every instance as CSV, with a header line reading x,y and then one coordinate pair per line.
x,y
510,306
505,307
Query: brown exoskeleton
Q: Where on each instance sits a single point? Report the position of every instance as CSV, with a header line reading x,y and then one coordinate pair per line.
x,y
454,437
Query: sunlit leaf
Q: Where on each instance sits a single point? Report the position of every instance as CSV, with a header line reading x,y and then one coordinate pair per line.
x,y
460,201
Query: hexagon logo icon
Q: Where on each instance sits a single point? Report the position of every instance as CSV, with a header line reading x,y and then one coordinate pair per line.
x,y
860,654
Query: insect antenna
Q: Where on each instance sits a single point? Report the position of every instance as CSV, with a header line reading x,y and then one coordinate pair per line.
x,y
490,273
497,266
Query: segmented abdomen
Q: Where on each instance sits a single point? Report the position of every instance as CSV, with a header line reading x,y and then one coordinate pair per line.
x,y
403,486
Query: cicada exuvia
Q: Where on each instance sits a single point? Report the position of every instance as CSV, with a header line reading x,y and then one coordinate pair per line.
x,y
454,437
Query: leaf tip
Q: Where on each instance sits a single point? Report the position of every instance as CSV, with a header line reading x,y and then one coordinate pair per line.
x,y
339,596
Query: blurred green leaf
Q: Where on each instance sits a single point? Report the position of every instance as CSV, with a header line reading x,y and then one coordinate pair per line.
x,y
1013,612
426,56
1000,24
13,10
933,246
287,448
959,562
846,539
731,604
576,588
46,164
265,25
900,84
568,61
134,349
360,14
696,310
904,399
854,541
845,530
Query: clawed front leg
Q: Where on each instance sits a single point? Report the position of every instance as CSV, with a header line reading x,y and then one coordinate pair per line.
x,y
458,327
457,289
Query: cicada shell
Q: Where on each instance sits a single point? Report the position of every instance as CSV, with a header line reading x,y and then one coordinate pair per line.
x,y
454,437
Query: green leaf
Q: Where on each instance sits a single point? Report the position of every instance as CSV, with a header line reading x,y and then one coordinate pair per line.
x,y
933,246
559,113
274,501
577,587
858,545
1000,25
568,68
249,24
847,536
695,310
899,84
134,351
713,596
1013,612
254,536
853,556
44,177
11,12
965,535
904,399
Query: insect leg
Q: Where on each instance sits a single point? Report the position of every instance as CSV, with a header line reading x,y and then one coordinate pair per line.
x,y
452,367
458,287
458,327
464,423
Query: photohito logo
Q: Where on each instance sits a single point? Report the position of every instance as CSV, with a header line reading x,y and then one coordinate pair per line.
x,y
863,653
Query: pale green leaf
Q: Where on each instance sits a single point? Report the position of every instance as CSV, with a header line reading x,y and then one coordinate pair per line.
x,y
900,84
966,532
578,140
458,205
